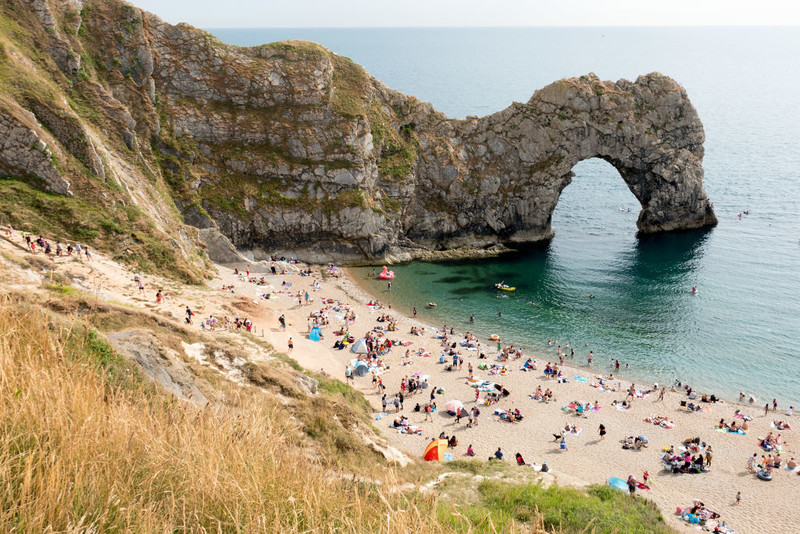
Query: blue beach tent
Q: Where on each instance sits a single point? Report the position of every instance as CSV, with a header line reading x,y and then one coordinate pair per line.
x,y
361,368
315,334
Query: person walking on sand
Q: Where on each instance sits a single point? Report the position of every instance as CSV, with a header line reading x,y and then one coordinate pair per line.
x,y
738,497
348,374
291,344
661,395
282,320
602,432
475,412
709,455
766,409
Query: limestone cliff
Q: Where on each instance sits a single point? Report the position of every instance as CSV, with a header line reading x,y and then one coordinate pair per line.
x,y
289,147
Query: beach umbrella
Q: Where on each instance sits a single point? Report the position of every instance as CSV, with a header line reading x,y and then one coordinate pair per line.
x,y
315,334
618,484
360,346
453,406
361,368
435,451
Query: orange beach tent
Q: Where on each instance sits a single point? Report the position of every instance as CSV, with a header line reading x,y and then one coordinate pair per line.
x,y
435,450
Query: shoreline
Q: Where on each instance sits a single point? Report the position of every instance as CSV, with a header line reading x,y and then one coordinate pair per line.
x,y
600,368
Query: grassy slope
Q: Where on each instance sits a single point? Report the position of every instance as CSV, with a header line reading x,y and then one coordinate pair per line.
x,y
87,441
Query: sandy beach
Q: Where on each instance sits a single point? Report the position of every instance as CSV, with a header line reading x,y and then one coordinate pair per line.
x,y
764,507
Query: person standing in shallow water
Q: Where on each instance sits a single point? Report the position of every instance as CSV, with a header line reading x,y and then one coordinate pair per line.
x,y
589,358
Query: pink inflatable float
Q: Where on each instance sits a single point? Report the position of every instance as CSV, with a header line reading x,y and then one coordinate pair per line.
x,y
385,274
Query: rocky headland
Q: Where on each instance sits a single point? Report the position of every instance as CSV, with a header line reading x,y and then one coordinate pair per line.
x,y
289,147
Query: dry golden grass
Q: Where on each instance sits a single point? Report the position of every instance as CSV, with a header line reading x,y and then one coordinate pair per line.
x,y
86,444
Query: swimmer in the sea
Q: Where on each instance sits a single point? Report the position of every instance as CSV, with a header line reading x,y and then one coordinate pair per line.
x,y
589,296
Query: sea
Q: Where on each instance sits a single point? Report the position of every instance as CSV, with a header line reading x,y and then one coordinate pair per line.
x,y
740,331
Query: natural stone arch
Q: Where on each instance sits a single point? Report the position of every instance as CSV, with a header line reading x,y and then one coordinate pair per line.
x,y
501,175
518,161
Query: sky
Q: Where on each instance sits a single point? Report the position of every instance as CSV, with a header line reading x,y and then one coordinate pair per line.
x,y
472,13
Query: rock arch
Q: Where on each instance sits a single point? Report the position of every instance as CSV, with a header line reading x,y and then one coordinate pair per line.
x,y
513,165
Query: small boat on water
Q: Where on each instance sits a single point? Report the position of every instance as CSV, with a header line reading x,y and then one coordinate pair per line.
x,y
502,286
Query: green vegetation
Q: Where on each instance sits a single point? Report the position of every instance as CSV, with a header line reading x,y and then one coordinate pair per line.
x,y
600,509
398,150
350,83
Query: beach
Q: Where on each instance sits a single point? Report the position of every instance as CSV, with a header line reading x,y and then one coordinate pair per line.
x,y
765,506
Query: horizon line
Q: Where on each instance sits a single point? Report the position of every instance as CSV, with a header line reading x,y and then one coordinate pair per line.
x,y
495,27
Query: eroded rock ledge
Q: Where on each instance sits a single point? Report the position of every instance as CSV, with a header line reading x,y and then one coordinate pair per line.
x,y
290,148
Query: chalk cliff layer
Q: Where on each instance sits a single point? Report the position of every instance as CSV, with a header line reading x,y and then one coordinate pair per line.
x,y
290,147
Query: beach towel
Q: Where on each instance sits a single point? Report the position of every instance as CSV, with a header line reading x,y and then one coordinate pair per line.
x,y
622,408
773,425
724,430
580,379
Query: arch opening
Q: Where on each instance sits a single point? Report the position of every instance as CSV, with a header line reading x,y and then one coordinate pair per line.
x,y
595,201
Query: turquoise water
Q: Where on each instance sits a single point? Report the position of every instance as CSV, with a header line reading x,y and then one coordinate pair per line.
x,y
740,332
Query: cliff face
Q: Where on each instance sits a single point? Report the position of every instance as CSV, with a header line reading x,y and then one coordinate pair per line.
x,y
288,147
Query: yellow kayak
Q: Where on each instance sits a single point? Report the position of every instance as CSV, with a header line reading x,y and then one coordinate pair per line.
x,y
508,289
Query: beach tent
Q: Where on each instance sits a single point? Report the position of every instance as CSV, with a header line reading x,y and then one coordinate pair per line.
x,y
361,368
315,334
618,484
453,407
360,346
435,451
